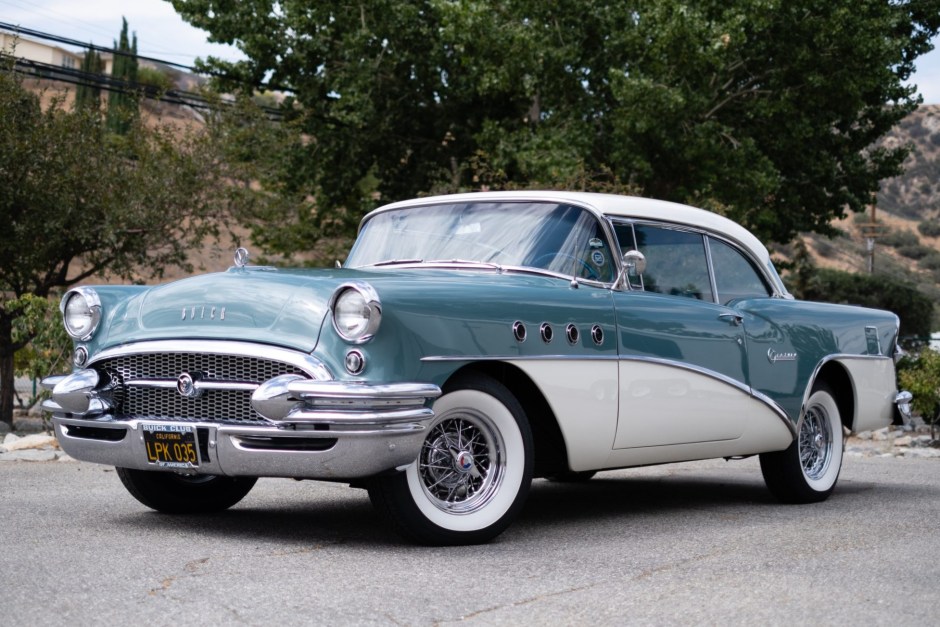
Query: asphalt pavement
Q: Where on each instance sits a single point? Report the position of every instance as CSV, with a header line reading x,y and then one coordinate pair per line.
x,y
689,544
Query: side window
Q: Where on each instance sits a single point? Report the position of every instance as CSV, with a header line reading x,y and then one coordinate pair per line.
x,y
735,276
675,262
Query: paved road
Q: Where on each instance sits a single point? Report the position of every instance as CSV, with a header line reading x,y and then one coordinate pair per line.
x,y
698,543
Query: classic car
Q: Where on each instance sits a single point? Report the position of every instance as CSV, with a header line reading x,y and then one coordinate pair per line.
x,y
469,344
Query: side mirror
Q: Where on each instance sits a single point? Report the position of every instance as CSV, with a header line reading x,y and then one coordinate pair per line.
x,y
634,263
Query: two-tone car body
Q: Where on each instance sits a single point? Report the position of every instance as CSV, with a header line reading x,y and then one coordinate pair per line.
x,y
468,344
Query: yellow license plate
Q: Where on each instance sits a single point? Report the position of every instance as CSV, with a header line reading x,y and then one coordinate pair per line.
x,y
171,445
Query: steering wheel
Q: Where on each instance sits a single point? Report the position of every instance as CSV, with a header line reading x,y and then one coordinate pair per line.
x,y
592,273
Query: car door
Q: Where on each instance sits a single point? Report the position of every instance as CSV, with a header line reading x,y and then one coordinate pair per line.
x,y
682,353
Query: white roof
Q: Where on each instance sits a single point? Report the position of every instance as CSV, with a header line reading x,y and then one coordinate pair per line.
x,y
616,206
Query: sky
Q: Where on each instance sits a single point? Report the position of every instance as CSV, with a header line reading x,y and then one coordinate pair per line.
x,y
163,34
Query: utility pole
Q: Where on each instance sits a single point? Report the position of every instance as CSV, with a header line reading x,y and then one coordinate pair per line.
x,y
871,231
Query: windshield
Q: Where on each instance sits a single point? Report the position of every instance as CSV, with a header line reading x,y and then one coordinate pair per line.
x,y
556,237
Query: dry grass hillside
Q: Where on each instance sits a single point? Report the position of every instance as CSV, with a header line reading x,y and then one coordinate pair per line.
x,y
907,241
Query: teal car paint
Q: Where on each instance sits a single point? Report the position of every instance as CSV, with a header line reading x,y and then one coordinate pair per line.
x,y
470,343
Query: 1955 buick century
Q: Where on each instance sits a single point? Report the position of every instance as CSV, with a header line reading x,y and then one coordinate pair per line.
x,y
468,344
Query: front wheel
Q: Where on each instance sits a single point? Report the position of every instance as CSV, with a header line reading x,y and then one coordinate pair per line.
x,y
807,471
174,493
473,472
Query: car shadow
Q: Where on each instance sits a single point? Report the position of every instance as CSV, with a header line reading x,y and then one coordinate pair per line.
x,y
626,501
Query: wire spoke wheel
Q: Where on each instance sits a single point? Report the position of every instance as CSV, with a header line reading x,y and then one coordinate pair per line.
x,y
815,442
807,471
461,463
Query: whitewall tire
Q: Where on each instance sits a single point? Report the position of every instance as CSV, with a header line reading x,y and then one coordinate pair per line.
x,y
473,472
808,470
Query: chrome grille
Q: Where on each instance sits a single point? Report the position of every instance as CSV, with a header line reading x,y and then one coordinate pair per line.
x,y
167,403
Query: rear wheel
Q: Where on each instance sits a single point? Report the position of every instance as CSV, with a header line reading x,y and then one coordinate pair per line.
x,y
807,471
473,472
173,493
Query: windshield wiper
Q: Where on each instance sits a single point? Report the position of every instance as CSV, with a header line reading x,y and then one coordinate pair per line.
x,y
467,262
392,262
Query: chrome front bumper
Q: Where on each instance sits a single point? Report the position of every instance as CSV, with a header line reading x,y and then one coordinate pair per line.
x,y
256,451
309,429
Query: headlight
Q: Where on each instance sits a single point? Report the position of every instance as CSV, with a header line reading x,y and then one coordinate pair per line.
x,y
357,312
81,312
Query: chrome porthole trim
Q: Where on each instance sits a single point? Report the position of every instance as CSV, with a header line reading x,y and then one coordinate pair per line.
x,y
546,332
572,333
355,362
518,331
597,334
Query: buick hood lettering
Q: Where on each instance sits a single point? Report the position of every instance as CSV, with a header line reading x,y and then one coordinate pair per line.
x,y
193,312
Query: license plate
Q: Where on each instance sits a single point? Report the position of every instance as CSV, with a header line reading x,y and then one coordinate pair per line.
x,y
171,445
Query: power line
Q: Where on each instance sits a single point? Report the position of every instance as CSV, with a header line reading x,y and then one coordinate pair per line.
x,y
107,83
103,82
89,46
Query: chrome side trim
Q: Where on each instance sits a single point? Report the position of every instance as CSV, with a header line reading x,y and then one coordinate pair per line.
x,y
308,363
772,404
440,358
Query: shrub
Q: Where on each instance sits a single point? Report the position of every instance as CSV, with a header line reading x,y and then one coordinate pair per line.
x,y
897,239
929,228
914,251
824,248
931,261
154,78
913,308
920,375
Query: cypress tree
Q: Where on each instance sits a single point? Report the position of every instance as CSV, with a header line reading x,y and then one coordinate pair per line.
x,y
123,101
88,94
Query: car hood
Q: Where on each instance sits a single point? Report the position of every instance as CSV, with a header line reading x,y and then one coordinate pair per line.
x,y
264,305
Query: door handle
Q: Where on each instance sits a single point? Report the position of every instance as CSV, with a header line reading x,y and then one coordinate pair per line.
x,y
735,319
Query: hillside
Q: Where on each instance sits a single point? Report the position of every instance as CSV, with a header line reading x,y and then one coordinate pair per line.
x,y
907,235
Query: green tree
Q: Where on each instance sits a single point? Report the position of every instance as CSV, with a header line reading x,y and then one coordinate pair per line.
x,y
123,101
148,200
767,110
89,95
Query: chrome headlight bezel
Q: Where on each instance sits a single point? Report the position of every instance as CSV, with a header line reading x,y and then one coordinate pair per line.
x,y
352,301
86,304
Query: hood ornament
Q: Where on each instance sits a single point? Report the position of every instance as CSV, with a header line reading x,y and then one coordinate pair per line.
x,y
241,257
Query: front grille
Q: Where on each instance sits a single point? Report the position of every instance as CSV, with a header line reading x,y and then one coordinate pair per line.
x,y
167,403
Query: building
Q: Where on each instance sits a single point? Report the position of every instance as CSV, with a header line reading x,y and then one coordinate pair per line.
x,y
21,47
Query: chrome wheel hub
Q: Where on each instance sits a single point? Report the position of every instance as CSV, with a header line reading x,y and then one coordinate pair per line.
x,y
460,463
815,443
